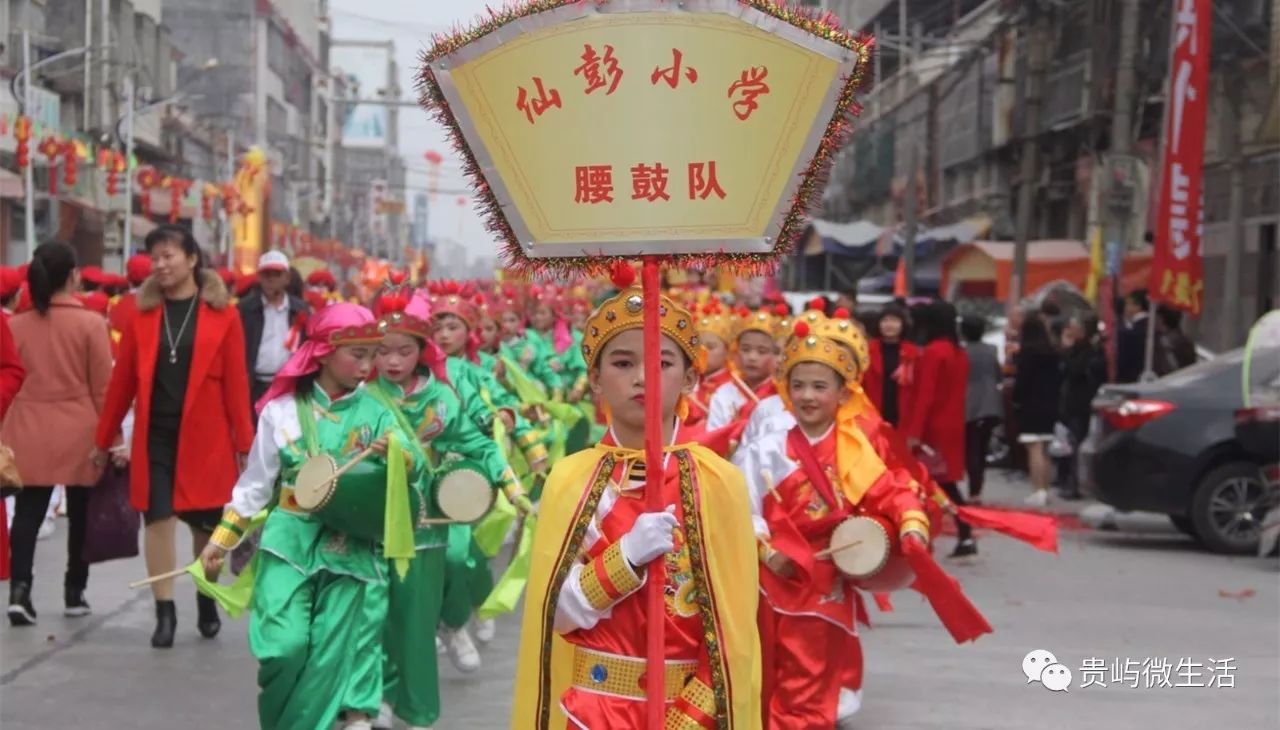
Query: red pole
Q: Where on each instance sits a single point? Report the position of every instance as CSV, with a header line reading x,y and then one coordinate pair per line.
x,y
655,613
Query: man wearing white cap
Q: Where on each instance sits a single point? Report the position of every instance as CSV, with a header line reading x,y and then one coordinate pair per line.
x,y
272,328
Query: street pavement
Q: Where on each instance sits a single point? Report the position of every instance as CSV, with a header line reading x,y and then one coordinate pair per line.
x,y
1127,601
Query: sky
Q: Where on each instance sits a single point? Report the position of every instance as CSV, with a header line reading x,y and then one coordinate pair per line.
x,y
409,24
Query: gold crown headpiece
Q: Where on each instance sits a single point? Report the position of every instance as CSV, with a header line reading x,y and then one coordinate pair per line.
x,y
401,310
625,310
806,345
716,322
451,297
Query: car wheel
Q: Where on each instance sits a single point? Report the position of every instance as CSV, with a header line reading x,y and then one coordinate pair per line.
x,y
1184,524
1228,507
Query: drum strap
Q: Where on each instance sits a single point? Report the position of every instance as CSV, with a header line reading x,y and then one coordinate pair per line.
x,y
307,422
799,444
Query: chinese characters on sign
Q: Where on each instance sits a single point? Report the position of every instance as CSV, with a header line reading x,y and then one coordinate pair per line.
x,y
604,71
594,183
751,84
671,75
535,107
1158,673
590,70
1177,273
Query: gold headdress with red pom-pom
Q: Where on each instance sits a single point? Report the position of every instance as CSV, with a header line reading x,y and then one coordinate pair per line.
x,y
399,313
625,310
807,345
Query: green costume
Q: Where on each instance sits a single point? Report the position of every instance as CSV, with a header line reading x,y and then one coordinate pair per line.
x,y
449,421
317,591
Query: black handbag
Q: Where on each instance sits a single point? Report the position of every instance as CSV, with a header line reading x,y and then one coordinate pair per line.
x,y
111,529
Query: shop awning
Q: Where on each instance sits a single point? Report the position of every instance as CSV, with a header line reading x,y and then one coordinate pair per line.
x,y
1047,261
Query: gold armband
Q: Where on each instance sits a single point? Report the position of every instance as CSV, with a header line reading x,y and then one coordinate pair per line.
x,y
913,520
608,578
230,530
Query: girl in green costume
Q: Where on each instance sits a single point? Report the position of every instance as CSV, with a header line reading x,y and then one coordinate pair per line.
x,y
316,589
450,421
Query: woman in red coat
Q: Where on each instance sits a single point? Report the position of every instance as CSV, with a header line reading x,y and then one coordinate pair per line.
x,y
182,358
936,418
890,378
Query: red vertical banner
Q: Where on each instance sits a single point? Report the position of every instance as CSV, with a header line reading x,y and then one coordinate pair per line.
x,y
1177,271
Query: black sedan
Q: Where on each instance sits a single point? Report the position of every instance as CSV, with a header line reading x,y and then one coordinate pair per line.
x,y
1170,446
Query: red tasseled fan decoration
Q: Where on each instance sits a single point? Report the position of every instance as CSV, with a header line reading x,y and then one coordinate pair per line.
x,y
802,329
622,275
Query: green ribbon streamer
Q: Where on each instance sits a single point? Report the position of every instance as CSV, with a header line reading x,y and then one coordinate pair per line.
x,y
236,597
397,537
506,592
458,550
492,528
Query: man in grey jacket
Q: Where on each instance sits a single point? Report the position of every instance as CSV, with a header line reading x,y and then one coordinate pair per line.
x,y
982,401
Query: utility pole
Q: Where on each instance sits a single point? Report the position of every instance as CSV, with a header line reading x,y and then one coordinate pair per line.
x,y
126,246
1123,167
29,220
1028,174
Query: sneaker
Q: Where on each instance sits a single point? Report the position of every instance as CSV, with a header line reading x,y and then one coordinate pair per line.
x,y
439,644
484,629
849,704
75,603
462,652
1038,498
965,548
385,719
358,725
47,528
21,612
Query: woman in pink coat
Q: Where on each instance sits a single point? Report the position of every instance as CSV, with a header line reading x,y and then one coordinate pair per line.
x,y
66,351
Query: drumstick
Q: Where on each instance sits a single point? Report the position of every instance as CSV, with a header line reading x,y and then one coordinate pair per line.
x,y
355,460
767,476
158,578
838,548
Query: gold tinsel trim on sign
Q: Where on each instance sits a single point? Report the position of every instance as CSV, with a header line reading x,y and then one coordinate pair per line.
x,y
816,22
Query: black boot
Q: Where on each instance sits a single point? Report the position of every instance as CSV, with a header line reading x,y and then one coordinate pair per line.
x,y
73,599
21,612
166,624
207,621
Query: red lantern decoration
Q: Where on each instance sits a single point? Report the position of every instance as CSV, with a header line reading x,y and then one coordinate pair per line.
x,y
148,178
22,133
70,164
178,187
51,148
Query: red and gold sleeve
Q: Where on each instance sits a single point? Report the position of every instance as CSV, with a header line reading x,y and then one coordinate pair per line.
x,y
901,503
230,530
608,578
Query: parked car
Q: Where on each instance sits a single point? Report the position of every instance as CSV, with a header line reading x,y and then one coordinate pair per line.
x,y
1170,446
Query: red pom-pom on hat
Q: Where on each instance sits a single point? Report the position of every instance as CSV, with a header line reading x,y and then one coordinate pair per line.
x,y
801,329
818,303
840,313
622,274
781,309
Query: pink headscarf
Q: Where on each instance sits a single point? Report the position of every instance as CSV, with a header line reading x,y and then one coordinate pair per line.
x,y
560,336
306,359
419,307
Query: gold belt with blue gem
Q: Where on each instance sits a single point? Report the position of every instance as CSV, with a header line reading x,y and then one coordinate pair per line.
x,y
614,674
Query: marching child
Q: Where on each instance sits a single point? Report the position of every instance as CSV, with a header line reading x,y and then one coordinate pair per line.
x,y
316,589
754,359
583,646
447,421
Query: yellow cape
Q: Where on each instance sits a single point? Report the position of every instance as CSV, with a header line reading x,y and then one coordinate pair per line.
x,y
545,660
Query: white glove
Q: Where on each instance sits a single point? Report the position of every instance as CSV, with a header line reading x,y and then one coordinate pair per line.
x,y
650,537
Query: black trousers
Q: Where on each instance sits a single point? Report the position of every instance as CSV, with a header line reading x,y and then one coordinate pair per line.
x,y
30,506
257,389
963,530
977,434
